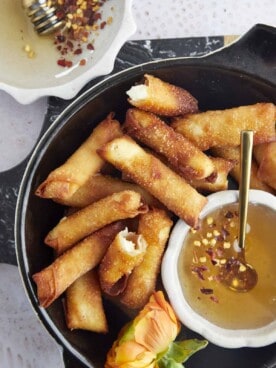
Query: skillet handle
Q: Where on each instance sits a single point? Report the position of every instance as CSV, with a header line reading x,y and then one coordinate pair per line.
x,y
254,53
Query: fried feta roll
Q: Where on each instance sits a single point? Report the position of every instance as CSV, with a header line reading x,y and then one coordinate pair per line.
x,y
220,128
100,186
155,227
84,306
65,180
233,153
125,252
53,280
71,229
220,182
161,98
265,155
184,156
149,172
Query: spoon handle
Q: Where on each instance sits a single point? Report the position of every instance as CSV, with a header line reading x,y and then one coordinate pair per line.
x,y
245,167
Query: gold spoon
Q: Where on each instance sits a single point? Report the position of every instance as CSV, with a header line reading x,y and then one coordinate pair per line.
x,y
237,274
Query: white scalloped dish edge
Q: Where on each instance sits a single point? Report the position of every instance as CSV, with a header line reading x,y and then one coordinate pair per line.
x,y
28,87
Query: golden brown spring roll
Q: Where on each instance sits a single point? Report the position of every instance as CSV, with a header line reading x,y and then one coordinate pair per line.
x,y
125,252
223,127
161,98
100,186
65,180
53,280
222,169
155,227
71,229
149,172
184,156
265,155
233,153
83,306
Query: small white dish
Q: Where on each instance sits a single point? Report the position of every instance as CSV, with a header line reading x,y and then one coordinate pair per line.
x,y
27,79
228,338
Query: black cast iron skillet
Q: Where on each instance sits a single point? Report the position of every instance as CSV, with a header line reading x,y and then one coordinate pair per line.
x,y
244,73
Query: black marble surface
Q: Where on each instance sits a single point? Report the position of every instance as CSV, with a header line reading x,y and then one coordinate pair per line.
x,y
132,53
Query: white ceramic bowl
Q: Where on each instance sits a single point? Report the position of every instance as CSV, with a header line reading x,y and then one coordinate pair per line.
x,y
28,79
228,338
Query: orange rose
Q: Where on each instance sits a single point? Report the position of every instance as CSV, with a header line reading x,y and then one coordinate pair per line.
x,y
148,339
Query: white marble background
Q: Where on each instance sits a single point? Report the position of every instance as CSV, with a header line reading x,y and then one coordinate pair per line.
x,y
20,127
192,18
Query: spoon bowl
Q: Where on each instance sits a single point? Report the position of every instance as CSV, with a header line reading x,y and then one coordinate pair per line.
x,y
238,275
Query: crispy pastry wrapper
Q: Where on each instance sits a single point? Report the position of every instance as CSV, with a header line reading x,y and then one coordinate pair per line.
x,y
53,280
149,172
65,180
161,98
71,229
222,169
83,305
155,227
100,186
233,153
221,128
265,155
125,252
183,156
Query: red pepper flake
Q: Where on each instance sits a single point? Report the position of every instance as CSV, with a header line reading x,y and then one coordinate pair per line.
x,y
210,252
214,299
60,38
82,62
198,270
225,232
61,62
229,214
65,63
94,18
77,51
219,238
70,44
212,255
90,46
206,291
60,14
103,24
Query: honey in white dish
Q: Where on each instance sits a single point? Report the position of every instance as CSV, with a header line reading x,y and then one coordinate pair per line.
x,y
206,250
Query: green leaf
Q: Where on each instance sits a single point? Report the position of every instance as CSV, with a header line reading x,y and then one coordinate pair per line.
x,y
127,333
168,363
180,351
